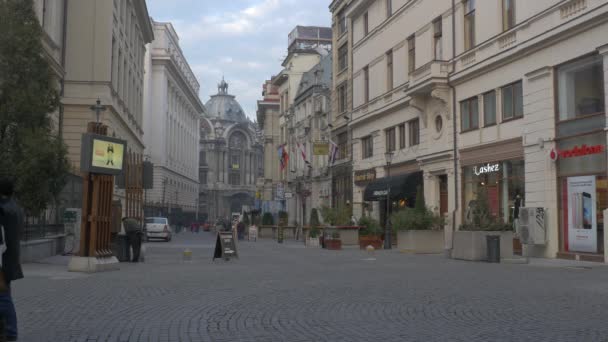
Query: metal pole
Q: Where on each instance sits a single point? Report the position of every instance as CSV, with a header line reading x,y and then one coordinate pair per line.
x,y
387,230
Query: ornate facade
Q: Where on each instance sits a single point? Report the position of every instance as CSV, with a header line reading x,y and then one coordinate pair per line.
x,y
231,157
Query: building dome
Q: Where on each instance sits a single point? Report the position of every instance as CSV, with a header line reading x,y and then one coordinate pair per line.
x,y
224,105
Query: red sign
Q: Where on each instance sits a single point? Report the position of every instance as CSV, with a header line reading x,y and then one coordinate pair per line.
x,y
576,151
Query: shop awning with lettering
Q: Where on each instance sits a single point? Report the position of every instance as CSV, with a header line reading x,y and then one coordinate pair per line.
x,y
401,187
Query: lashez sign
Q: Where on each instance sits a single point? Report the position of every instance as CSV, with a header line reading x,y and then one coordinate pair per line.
x,y
576,151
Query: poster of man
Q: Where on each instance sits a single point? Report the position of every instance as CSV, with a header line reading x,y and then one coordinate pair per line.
x,y
107,154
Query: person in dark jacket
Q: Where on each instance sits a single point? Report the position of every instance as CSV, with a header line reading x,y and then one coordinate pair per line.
x,y
134,235
11,219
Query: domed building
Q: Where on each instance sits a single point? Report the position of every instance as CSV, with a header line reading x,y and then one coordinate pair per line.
x,y
231,157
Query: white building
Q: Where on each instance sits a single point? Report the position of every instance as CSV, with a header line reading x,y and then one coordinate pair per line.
x,y
172,116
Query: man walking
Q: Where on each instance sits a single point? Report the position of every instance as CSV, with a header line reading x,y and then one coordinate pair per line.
x,y
11,219
133,230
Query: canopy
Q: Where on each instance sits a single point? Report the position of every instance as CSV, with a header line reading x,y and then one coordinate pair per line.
x,y
401,186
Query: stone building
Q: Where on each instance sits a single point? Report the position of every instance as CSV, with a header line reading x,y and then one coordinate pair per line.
x,y
231,157
172,116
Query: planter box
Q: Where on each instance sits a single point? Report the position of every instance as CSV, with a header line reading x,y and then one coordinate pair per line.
x,y
312,242
421,241
266,231
333,245
471,245
374,241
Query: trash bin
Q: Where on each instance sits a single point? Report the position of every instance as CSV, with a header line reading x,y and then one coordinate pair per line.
x,y
493,248
121,248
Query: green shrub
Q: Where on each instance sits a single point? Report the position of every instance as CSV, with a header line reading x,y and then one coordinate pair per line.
x,y
314,232
369,226
417,219
283,218
267,219
339,216
482,219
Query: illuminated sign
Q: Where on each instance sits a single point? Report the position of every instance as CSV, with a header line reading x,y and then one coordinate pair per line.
x,y
102,154
488,168
576,151
365,176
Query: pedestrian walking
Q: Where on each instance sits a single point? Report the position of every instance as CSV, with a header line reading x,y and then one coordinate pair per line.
x,y
134,234
11,220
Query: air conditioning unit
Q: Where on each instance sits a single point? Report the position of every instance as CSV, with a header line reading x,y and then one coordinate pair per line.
x,y
531,226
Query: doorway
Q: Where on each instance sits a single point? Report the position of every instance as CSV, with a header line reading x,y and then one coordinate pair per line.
x,y
443,194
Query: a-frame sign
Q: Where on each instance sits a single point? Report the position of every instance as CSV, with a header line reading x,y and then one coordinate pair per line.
x,y
224,246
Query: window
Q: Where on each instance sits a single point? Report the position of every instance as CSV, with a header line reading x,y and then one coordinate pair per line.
x,y
402,136
512,101
411,47
235,162
343,57
366,84
581,88
367,147
469,114
438,39
469,24
342,98
508,14
489,108
365,24
235,178
414,133
390,140
389,70
389,8
202,177
342,28
342,145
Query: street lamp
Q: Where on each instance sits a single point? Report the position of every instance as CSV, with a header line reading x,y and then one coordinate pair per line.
x,y
97,108
387,229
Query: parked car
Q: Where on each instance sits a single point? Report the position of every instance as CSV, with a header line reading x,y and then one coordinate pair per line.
x,y
158,228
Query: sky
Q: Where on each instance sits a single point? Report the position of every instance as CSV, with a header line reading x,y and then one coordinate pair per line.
x,y
243,40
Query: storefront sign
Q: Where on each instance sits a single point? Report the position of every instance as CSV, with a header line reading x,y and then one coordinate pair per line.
x,y
280,192
488,168
365,176
380,193
581,212
289,195
576,151
320,148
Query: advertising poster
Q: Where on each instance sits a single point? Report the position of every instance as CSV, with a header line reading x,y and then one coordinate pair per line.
x,y
107,154
582,216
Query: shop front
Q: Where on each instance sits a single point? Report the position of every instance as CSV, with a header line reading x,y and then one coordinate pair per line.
x,y
493,177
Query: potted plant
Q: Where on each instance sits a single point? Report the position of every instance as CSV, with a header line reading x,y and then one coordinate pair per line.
x,y
267,219
334,243
340,218
314,231
266,229
369,233
283,218
419,229
470,239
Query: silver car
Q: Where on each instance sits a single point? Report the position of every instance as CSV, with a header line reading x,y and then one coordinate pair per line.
x,y
158,228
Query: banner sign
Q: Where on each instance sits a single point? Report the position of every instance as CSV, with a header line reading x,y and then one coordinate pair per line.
x,y
102,154
365,176
582,214
320,148
280,192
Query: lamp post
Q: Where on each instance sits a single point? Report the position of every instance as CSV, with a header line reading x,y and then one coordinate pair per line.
x,y
98,108
387,229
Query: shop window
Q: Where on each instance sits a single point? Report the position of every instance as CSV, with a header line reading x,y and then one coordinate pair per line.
x,y
390,139
581,88
512,101
501,184
367,147
414,133
402,136
469,114
489,108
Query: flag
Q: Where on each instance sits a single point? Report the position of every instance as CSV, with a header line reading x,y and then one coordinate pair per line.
x,y
303,152
333,152
283,156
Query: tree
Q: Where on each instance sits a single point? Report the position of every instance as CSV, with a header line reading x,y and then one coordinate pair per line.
x,y
31,153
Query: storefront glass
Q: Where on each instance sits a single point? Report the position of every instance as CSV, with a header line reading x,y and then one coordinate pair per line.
x,y
504,186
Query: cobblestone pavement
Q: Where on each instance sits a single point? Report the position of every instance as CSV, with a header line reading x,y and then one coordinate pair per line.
x,y
291,293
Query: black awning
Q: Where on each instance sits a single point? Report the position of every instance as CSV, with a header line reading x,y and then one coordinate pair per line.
x,y
401,187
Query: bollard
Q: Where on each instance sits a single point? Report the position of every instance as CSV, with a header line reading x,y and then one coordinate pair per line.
x,y
187,255
370,250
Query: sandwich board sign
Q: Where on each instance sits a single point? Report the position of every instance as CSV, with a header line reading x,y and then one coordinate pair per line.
x,y
225,247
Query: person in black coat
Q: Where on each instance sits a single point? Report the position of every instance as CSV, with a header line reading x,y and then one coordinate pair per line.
x,y
11,219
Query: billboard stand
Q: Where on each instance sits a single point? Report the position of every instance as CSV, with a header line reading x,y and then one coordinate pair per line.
x,y
102,157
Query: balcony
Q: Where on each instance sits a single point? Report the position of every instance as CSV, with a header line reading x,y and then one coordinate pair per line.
x,y
427,76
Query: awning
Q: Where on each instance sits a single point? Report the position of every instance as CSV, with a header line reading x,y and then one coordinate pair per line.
x,y
401,187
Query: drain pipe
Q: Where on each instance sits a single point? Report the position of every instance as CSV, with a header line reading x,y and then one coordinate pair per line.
x,y
454,130
62,81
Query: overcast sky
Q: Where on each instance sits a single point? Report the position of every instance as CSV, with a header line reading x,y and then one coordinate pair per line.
x,y
244,40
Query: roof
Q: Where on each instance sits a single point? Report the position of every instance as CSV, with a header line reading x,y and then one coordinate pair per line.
x,y
225,106
319,75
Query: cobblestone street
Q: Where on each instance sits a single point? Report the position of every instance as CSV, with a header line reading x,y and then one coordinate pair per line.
x,y
291,293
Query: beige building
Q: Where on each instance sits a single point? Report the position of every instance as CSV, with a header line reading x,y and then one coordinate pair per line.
x,y
306,46
173,112
341,167
105,47
268,120
401,121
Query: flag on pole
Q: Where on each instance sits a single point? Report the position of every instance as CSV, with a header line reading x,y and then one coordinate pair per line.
x,y
333,152
283,156
303,152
